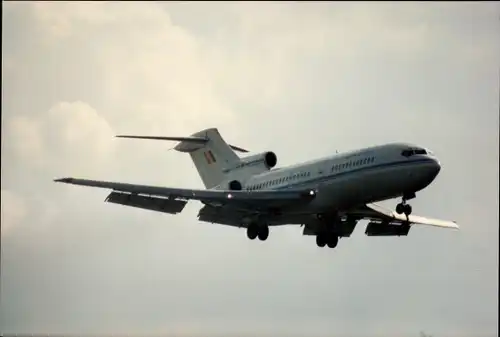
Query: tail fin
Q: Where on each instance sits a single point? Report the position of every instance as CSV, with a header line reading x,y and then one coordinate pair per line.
x,y
209,152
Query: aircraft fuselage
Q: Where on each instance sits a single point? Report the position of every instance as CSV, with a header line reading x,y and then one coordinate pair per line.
x,y
355,178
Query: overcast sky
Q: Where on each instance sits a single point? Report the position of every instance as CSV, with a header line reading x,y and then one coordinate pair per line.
x,y
301,79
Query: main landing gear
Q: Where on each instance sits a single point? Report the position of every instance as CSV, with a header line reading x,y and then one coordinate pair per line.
x,y
254,231
403,207
327,239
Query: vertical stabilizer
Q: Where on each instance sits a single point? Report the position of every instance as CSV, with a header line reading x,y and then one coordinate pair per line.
x,y
210,157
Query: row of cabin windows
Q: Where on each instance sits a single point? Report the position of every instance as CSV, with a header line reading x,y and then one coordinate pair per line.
x,y
279,181
353,163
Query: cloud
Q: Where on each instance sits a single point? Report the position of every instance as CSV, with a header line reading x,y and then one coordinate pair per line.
x,y
13,210
156,73
71,132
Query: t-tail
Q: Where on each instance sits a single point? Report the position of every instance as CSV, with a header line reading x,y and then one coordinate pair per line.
x,y
211,155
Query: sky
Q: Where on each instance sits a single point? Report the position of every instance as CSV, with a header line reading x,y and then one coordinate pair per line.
x,y
301,79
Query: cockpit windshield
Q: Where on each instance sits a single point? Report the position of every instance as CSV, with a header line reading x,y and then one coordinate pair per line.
x,y
411,152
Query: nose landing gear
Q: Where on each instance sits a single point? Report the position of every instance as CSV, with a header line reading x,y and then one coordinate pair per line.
x,y
403,207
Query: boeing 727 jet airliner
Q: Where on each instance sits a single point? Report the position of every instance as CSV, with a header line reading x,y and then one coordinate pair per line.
x,y
327,196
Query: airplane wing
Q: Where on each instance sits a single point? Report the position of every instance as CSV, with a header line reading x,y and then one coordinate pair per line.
x,y
173,200
385,222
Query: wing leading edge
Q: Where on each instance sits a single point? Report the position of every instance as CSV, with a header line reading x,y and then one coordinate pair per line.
x,y
385,222
256,199
386,214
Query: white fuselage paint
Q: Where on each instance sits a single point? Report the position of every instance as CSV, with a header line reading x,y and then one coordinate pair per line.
x,y
353,178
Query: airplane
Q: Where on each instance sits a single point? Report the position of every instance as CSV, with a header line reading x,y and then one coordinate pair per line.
x,y
326,196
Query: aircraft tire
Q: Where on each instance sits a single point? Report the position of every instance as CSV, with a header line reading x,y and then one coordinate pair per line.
x,y
252,232
263,233
407,209
320,240
333,240
400,208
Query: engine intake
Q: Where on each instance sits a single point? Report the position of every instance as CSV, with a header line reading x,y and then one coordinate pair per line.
x,y
270,159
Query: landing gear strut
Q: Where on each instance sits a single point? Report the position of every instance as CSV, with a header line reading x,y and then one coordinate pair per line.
x,y
254,231
403,207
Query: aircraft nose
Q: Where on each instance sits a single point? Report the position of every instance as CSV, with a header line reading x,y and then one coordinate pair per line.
x,y
436,166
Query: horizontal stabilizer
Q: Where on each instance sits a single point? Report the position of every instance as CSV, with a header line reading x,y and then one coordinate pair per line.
x,y
178,139
194,140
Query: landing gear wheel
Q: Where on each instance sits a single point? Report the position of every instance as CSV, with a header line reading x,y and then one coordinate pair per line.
x,y
403,208
400,208
333,240
263,233
407,209
320,240
252,232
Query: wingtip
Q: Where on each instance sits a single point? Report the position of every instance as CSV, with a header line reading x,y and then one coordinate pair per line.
x,y
63,180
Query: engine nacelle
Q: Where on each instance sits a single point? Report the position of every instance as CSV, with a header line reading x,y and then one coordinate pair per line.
x,y
268,159
255,164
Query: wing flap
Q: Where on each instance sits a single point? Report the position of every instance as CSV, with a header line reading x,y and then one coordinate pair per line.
x,y
170,206
375,228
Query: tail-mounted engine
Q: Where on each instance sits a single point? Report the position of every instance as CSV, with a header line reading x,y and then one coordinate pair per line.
x,y
267,159
255,164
